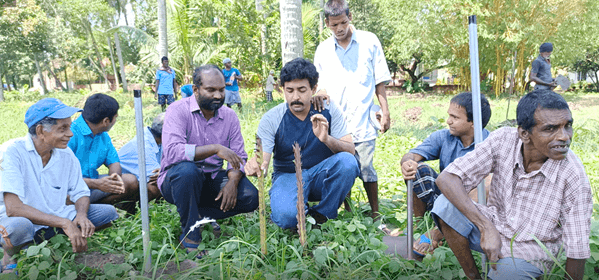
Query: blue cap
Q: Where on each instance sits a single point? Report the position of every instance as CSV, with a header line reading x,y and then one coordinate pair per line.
x,y
48,107
226,60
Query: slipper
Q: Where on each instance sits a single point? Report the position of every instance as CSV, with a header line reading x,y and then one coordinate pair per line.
x,y
199,255
424,239
9,268
216,229
189,247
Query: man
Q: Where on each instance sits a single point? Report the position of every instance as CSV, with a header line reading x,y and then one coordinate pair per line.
x,y
541,68
445,145
270,85
93,147
129,157
232,75
166,85
37,173
539,194
353,70
328,165
197,136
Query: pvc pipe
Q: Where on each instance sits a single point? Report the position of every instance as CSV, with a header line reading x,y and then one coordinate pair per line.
x,y
143,183
410,220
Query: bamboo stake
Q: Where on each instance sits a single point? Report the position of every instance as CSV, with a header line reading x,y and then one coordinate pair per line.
x,y
301,215
261,194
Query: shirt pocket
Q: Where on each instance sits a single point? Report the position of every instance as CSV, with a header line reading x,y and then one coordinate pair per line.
x,y
55,195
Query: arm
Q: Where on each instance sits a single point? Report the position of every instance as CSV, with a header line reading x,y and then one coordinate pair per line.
x,y
156,87
81,220
381,94
175,88
320,127
575,268
206,151
533,77
251,167
238,75
409,165
115,168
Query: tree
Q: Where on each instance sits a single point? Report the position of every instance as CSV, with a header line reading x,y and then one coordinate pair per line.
x,y
590,66
162,30
292,39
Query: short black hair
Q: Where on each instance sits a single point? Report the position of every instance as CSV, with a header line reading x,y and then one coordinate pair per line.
x,y
335,8
46,122
163,58
464,100
100,106
197,73
299,68
538,99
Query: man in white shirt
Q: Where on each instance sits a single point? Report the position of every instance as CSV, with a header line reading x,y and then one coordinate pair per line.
x,y
37,173
353,69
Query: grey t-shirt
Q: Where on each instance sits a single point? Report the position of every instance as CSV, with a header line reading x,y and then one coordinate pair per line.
x,y
543,69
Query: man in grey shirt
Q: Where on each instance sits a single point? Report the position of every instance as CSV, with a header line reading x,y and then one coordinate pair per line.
x,y
541,68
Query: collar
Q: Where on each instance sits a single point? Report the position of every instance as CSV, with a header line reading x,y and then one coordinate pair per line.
x,y
30,146
83,127
193,107
549,168
353,39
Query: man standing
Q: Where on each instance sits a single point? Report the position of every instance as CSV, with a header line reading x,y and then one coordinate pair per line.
x,y
329,167
37,174
197,136
353,70
541,68
166,85
232,88
270,85
540,200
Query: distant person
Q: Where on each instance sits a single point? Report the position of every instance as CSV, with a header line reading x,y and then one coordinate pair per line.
x,y
541,68
198,134
270,85
166,85
445,145
129,157
353,70
232,75
38,173
540,202
93,147
328,164
187,90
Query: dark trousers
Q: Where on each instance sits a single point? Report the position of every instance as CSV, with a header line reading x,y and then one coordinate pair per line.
x,y
193,192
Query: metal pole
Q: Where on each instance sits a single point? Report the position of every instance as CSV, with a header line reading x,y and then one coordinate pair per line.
x,y
143,187
410,220
476,111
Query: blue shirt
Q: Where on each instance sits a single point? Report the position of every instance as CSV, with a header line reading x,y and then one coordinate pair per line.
x,y
92,151
44,188
187,90
445,147
228,74
279,129
129,156
166,81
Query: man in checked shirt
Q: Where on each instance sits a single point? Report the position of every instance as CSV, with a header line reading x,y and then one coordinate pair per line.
x,y
540,193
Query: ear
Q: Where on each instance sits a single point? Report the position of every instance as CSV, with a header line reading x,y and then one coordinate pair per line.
x,y
524,135
39,131
106,121
349,16
314,89
326,22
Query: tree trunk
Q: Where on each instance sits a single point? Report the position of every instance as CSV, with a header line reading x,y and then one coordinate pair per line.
x,y
261,13
321,20
39,73
7,82
116,74
56,79
1,86
162,31
14,82
95,44
292,37
66,78
121,62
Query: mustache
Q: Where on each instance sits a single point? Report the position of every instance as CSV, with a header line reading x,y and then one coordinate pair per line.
x,y
296,103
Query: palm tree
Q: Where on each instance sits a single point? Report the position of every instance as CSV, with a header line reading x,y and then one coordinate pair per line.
x,y
162,31
292,37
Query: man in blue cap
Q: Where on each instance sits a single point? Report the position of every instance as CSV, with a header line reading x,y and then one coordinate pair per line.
x,y
541,68
37,173
231,87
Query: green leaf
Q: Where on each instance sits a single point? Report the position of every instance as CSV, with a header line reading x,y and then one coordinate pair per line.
x,y
351,228
33,250
394,266
46,252
33,273
447,274
43,265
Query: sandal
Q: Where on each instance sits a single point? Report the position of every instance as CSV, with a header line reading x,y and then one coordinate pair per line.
x,y
9,268
432,245
216,229
190,247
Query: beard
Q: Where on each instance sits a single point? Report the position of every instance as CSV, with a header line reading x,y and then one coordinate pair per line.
x,y
211,104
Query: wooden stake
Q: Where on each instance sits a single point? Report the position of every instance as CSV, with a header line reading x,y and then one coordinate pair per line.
x,y
301,215
261,194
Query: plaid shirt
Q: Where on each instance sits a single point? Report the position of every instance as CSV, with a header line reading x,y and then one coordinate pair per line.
x,y
553,204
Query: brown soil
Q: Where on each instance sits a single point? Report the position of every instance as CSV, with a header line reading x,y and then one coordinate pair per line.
x,y
413,114
171,269
98,260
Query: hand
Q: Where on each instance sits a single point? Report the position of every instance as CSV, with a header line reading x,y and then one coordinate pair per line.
x,y
320,127
228,194
229,83
230,156
78,242
111,184
319,99
490,242
408,169
553,84
86,226
154,176
252,168
385,121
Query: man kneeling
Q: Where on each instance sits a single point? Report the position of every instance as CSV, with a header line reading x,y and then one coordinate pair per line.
x,y
328,165
37,173
539,193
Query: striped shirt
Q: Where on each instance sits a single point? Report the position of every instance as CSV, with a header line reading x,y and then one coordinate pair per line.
x,y
553,204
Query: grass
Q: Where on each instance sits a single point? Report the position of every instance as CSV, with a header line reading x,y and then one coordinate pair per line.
x,y
349,247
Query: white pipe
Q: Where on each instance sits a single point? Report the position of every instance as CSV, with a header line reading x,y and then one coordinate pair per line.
x,y
143,187
410,234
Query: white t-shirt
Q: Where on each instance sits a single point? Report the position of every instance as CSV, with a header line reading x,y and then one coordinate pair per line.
x,y
44,188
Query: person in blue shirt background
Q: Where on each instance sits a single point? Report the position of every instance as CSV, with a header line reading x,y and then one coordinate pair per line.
x,y
93,147
231,87
166,84
446,145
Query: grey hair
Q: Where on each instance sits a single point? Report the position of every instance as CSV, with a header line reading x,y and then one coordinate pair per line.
x,y
46,124
335,8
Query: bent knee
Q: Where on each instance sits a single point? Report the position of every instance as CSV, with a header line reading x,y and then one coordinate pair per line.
x,y
348,162
285,218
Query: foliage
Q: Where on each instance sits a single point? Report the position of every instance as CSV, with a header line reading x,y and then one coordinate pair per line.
x,y
589,65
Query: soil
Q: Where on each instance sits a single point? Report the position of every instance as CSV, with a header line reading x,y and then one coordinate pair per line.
x,y
171,269
97,260
413,114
